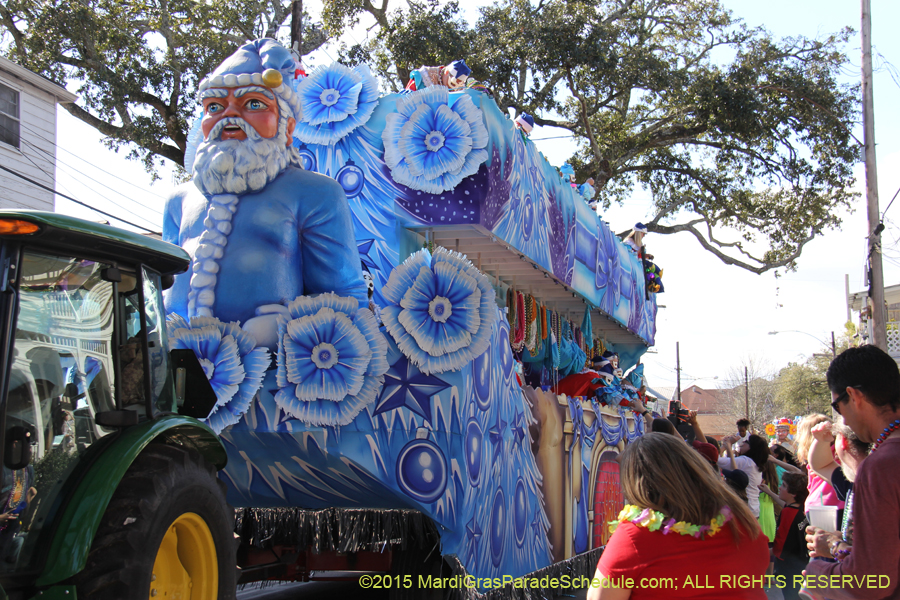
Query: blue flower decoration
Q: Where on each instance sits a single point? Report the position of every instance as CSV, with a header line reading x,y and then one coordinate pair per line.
x,y
431,146
609,271
440,310
331,360
335,101
233,364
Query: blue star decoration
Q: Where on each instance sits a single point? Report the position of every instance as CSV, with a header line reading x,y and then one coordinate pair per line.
x,y
364,247
519,427
473,534
496,435
406,386
536,525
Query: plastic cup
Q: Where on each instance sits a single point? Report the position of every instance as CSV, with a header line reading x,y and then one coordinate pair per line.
x,y
823,517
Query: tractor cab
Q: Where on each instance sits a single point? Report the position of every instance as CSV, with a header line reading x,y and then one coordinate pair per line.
x,y
84,358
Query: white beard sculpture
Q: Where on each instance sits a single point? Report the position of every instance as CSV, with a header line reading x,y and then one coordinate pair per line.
x,y
241,166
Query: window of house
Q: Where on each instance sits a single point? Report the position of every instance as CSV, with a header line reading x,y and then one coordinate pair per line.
x,y
9,115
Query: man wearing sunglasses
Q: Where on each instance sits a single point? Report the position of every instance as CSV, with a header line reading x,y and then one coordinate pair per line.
x,y
865,391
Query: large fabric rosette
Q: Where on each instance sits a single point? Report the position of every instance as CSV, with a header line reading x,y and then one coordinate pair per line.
x,y
431,146
233,364
331,360
440,310
335,100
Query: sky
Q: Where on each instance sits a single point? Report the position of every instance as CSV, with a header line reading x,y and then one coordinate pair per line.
x,y
720,316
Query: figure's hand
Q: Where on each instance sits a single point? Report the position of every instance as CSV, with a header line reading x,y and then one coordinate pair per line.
x,y
822,432
272,309
818,542
264,326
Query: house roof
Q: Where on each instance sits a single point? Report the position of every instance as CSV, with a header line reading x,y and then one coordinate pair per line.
x,y
712,401
857,300
61,94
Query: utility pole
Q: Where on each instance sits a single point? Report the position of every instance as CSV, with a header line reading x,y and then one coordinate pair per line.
x,y
297,26
847,294
876,274
833,347
677,374
746,394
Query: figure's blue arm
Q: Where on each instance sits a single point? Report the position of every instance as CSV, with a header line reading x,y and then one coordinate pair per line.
x,y
331,260
175,298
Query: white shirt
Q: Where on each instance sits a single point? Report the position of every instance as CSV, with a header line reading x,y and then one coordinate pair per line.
x,y
749,467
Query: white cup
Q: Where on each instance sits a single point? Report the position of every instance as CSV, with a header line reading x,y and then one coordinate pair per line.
x,y
823,517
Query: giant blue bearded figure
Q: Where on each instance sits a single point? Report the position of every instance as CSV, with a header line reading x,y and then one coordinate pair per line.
x,y
260,230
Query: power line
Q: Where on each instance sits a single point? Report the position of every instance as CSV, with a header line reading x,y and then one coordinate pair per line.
x,y
79,172
79,202
58,147
556,137
113,202
76,170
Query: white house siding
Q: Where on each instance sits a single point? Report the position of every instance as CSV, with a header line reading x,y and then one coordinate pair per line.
x,y
36,156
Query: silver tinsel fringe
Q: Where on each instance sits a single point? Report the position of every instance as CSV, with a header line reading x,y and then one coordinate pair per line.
x,y
374,530
338,529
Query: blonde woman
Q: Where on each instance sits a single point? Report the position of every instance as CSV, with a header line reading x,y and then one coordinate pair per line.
x,y
685,535
820,491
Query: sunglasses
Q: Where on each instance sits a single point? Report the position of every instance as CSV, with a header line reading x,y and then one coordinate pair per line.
x,y
841,398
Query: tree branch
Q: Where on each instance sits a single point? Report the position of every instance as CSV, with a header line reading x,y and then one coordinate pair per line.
x,y
725,258
164,150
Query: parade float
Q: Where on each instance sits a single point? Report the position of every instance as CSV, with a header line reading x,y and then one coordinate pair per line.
x,y
404,341
486,270
490,280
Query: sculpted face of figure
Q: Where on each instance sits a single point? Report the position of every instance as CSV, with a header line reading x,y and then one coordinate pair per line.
x,y
247,140
453,82
255,107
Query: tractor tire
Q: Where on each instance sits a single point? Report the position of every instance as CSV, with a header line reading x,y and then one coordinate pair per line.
x,y
167,533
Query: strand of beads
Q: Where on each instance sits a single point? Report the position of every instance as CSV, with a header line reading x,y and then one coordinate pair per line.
x,y
884,434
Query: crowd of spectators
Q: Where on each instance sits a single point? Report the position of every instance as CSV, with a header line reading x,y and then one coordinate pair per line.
x,y
717,510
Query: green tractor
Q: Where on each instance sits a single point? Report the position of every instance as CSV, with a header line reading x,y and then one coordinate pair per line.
x,y
109,487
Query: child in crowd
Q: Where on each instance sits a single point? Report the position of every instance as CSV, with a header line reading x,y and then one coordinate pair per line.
x,y
789,551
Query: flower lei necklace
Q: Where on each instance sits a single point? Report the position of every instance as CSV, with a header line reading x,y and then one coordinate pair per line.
x,y
655,520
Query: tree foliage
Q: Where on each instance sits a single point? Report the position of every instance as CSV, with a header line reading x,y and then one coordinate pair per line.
x,y
743,139
136,63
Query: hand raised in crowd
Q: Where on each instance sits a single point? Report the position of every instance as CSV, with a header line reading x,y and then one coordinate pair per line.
x,y
692,417
822,432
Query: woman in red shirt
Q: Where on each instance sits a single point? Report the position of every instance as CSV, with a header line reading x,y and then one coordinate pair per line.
x,y
685,535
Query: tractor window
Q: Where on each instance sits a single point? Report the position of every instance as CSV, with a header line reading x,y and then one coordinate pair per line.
x,y
161,390
131,357
60,378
